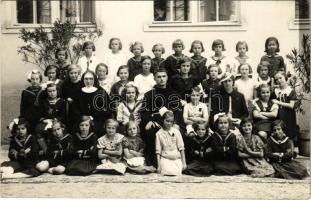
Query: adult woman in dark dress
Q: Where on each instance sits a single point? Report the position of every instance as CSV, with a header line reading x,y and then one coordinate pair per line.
x,y
91,100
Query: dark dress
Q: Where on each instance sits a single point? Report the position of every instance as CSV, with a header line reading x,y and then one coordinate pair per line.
x,y
199,159
83,163
157,63
287,115
198,67
135,67
30,105
59,150
153,101
63,70
172,65
95,104
116,93
285,167
276,62
51,110
184,86
20,160
225,154
263,124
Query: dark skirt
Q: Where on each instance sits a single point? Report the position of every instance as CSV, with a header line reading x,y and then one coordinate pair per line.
x,y
79,167
56,162
199,168
290,170
26,167
228,167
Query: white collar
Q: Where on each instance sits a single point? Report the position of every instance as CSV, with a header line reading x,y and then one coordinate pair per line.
x,y
89,89
279,91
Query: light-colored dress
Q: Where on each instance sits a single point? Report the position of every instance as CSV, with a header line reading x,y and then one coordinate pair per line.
x,y
168,146
90,64
237,61
112,163
106,84
114,61
256,167
144,84
191,110
246,87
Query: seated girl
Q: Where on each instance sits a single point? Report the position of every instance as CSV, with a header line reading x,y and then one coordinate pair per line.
x,y
200,151
265,111
110,149
59,148
224,147
251,151
170,148
133,149
280,154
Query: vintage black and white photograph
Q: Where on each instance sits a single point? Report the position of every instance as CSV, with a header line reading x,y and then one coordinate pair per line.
x,y
171,99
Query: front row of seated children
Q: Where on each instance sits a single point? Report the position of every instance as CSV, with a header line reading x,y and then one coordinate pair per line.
x,y
224,152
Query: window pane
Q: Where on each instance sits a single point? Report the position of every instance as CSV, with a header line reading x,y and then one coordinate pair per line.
x,y
226,10
175,10
301,9
24,11
77,11
86,14
207,10
43,11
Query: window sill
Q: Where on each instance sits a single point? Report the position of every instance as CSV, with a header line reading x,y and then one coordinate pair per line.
x,y
15,29
194,27
299,24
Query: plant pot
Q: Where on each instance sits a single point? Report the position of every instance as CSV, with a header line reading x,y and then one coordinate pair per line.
x,y
304,143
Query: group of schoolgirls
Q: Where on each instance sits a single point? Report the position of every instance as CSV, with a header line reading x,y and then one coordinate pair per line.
x,y
79,125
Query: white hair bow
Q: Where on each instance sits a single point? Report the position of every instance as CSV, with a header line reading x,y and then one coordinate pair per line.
x,y
29,73
218,115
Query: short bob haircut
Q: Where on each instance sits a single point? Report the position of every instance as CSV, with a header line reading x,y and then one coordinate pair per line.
x,y
218,42
263,64
88,43
102,65
211,66
196,125
261,86
56,121
247,120
269,39
85,118
223,116
74,66
282,74
249,68
49,67
61,49
178,42
34,72
196,42
280,123
115,38
184,60
21,121
137,44
158,45
239,43
123,67
96,83
143,58
127,86
111,121
127,125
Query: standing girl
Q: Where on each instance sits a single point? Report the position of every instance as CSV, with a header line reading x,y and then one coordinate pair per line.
x,y
134,63
84,149
133,149
218,58
272,47
31,99
59,148
88,61
195,111
265,111
110,149
172,63
200,151
114,59
251,151
157,61
61,56
103,78
129,108
285,97
52,72
145,80
224,147
280,154
241,48
170,149
21,153
245,84
198,62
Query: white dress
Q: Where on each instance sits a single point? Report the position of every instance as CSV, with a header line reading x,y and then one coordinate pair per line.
x,y
144,84
225,64
114,61
90,64
246,88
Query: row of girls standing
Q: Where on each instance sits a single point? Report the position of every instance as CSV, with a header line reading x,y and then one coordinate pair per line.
x,y
176,76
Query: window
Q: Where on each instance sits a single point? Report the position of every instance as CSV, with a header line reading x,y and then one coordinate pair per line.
x,y
207,11
302,9
47,11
